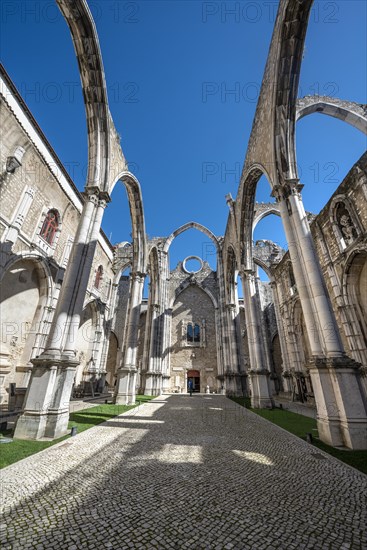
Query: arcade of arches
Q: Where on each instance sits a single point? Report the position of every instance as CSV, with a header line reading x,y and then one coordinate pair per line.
x,y
73,317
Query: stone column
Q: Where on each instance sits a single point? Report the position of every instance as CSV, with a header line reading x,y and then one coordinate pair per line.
x,y
46,408
286,364
126,374
225,360
259,374
232,371
148,350
341,411
329,332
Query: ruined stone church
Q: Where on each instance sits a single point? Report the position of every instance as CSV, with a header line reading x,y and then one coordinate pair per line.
x,y
73,318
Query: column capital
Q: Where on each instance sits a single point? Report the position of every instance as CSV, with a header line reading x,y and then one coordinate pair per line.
x,y
290,187
248,273
96,195
137,276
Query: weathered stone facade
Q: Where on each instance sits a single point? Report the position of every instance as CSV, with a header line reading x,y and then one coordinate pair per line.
x,y
32,269
73,320
193,306
341,251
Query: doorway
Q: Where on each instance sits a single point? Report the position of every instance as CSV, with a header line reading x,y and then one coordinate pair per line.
x,y
194,375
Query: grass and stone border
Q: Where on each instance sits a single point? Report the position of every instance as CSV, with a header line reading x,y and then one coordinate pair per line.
x,y
300,425
82,420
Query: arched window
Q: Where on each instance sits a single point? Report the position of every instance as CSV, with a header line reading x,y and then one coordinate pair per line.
x,y
99,276
50,226
193,333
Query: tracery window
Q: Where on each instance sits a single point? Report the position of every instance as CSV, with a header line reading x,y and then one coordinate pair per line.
x,y
50,226
193,333
99,276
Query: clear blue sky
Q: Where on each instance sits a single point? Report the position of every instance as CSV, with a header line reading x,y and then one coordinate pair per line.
x,y
170,67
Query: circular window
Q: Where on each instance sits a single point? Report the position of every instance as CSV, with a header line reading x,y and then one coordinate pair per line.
x,y
192,264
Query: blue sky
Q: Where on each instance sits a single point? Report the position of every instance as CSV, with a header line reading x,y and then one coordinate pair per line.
x,y
182,79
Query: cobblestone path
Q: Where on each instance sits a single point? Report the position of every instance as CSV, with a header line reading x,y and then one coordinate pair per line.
x,y
181,472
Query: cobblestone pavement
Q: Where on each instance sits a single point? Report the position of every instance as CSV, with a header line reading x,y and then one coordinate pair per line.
x,y
183,472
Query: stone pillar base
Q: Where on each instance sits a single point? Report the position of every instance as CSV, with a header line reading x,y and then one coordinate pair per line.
x,y
233,385
260,396
341,411
50,425
148,387
132,387
46,407
165,383
121,396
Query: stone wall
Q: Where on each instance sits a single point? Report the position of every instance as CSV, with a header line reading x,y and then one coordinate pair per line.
x,y
31,269
193,305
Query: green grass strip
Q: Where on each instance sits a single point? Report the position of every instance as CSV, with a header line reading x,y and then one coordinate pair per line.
x,y
83,420
300,425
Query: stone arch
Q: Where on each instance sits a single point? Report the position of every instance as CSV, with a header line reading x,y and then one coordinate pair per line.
x,y
26,291
265,267
262,211
354,285
185,227
293,17
111,363
135,199
248,212
346,111
99,122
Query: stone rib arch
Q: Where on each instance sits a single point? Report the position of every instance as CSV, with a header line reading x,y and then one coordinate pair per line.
x,y
262,210
264,267
43,267
185,227
33,339
247,215
105,156
347,111
292,34
135,199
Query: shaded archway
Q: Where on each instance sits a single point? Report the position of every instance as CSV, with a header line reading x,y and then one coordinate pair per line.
x,y
111,364
26,290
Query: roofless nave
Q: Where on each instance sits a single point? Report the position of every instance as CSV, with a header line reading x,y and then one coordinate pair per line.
x,y
73,318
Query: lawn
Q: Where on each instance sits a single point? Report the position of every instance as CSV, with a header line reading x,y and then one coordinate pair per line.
x,y
82,420
300,425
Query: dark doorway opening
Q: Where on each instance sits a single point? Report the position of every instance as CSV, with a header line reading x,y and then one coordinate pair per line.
x,y
194,375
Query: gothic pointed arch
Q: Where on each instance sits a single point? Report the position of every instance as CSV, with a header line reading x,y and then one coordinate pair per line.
x,y
347,111
105,157
185,227
135,199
